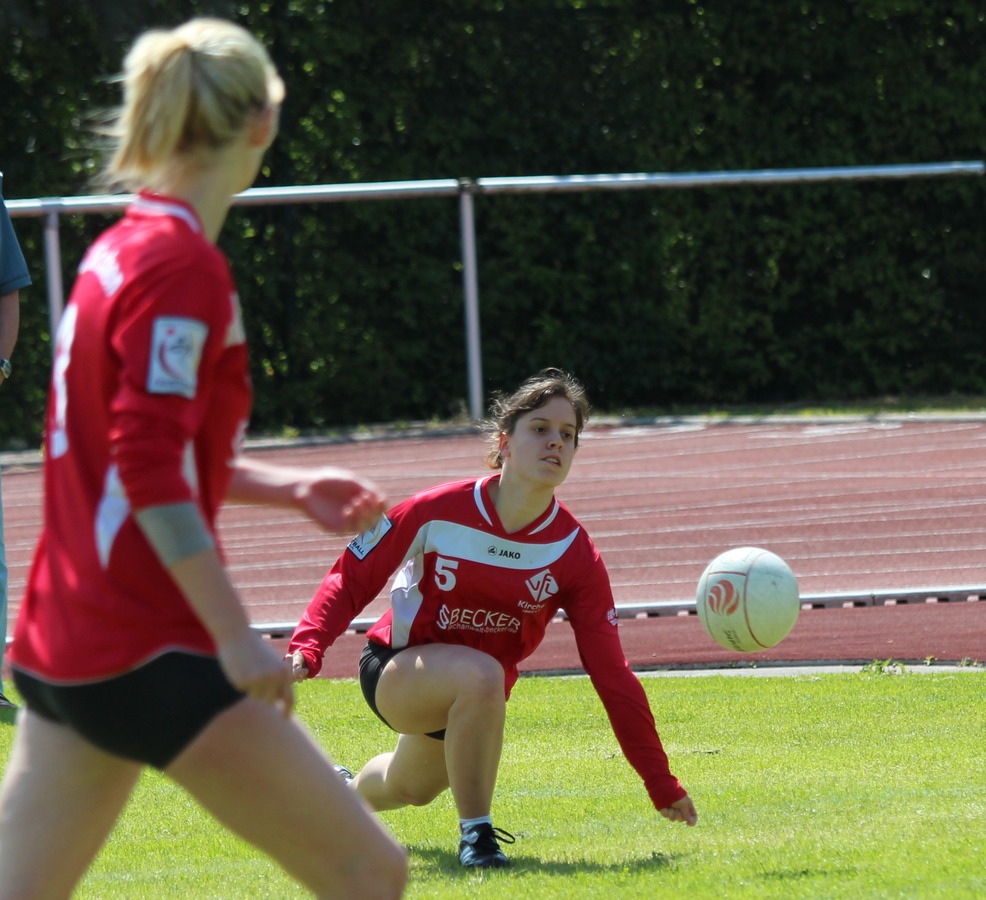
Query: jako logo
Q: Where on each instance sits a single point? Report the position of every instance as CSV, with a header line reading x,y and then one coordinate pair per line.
x,y
722,598
509,554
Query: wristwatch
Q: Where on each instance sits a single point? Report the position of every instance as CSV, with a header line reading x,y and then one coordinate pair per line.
x,y
5,368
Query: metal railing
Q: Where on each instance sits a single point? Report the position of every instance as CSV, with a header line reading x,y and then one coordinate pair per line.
x,y
663,608
52,208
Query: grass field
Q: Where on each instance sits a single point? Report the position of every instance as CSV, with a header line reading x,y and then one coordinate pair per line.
x,y
833,786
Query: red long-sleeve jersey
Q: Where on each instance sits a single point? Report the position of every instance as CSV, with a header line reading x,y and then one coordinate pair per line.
x,y
149,398
462,579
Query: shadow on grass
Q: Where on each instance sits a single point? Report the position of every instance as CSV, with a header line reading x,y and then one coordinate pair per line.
x,y
794,874
446,862
7,716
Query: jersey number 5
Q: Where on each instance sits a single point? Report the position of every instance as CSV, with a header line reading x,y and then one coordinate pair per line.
x,y
445,573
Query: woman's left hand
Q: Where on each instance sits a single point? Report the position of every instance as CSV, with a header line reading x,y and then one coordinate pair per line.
x,y
299,668
336,499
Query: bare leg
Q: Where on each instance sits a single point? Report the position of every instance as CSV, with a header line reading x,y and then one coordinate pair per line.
x,y
264,777
425,689
60,799
413,775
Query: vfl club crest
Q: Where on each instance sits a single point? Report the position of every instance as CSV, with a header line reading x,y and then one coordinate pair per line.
x,y
542,587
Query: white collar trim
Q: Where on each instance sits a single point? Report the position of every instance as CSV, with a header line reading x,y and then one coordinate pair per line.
x,y
155,207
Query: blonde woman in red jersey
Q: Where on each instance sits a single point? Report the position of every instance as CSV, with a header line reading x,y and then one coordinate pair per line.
x,y
131,646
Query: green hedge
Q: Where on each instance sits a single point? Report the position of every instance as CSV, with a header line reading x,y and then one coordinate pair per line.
x,y
655,298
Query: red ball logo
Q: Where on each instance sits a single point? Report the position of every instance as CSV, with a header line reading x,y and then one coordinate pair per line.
x,y
722,598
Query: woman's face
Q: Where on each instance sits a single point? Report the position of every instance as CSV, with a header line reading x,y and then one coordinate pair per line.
x,y
542,445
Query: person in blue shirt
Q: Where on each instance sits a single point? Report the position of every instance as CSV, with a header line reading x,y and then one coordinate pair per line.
x,y
13,276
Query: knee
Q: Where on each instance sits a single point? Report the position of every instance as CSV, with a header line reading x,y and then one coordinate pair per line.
x,y
421,795
482,680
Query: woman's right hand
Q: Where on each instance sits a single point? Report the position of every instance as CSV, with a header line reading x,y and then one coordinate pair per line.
x,y
254,667
250,663
681,811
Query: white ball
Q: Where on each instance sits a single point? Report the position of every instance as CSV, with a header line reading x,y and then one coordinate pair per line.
x,y
748,599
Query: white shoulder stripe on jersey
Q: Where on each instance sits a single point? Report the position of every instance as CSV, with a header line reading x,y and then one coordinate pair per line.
x,y
477,492
549,520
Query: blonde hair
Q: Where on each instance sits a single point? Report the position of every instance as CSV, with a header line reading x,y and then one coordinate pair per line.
x,y
187,92
534,393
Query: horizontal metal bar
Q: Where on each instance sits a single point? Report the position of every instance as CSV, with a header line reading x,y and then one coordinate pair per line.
x,y
95,203
894,597
445,187
643,180
316,193
888,597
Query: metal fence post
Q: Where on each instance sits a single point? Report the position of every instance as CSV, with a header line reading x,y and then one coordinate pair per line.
x,y
470,283
53,270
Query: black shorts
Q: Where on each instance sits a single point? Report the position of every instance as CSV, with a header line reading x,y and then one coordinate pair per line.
x,y
148,715
371,664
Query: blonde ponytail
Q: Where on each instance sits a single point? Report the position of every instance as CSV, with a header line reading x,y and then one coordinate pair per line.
x,y
187,92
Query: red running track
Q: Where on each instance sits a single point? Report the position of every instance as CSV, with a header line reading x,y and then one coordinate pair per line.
x,y
854,505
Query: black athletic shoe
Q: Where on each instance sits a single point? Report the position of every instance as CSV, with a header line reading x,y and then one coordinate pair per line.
x,y
479,848
5,703
346,775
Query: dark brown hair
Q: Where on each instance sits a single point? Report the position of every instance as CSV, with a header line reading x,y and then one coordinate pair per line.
x,y
534,393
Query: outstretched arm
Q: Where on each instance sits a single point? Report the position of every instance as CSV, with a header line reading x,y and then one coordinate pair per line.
x,y
336,499
594,621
